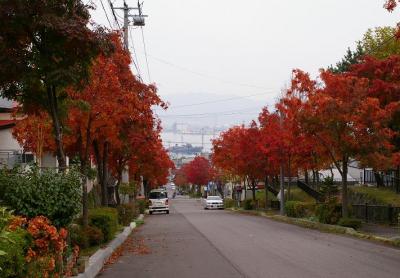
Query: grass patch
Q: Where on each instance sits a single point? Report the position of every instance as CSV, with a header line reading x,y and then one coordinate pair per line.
x,y
89,251
260,195
296,194
139,222
378,195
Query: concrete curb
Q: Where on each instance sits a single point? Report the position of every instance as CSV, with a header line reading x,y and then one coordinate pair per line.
x,y
321,227
97,260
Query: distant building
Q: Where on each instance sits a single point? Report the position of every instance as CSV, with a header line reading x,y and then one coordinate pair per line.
x,y
180,127
186,149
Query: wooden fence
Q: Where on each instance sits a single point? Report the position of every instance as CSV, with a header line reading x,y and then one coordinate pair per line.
x,y
377,213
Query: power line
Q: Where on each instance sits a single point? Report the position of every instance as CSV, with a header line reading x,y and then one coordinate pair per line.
x,y
203,74
104,9
113,12
382,44
135,56
220,100
145,54
229,112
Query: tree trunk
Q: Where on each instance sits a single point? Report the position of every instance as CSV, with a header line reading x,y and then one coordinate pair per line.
x,y
146,189
306,176
245,191
290,179
117,187
345,212
101,172
85,206
57,128
266,191
253,189
84,158
378,178
397,179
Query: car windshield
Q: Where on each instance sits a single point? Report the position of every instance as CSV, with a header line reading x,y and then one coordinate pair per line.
x,y
158,195
213,198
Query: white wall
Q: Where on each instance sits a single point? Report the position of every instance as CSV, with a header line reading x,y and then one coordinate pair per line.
x,y
7,142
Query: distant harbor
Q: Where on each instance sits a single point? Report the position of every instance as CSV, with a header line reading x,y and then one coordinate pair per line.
x,y
180,139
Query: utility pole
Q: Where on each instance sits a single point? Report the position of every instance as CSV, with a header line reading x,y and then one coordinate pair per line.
x,y
126,26
137,19
282,187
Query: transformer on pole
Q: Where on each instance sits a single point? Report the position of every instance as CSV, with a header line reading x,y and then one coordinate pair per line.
x,y
137,20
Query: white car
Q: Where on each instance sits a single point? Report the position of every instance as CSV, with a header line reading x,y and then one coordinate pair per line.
x,y
158,201
213,202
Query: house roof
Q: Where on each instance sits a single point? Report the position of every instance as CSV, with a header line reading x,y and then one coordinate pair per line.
x,y
5,124
6,105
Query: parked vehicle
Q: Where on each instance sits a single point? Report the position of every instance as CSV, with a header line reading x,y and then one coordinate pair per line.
x,y
213,202
158,201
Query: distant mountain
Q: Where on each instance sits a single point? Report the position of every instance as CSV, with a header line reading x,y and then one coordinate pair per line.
x,y
204,109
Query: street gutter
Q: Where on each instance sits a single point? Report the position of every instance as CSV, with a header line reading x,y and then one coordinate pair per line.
x,y
334,229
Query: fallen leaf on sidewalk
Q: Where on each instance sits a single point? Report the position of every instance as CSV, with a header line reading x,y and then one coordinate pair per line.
x,y
131,245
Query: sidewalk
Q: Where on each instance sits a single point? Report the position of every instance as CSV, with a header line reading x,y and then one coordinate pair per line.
x,y
392,232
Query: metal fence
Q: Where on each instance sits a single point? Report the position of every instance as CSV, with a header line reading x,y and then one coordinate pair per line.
x,y
389,179
377,213
10,158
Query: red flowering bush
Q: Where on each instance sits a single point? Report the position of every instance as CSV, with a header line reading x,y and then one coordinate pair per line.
x,y
47,249
44,257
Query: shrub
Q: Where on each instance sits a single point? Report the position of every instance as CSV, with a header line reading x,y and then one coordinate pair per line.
x,y
328,213
350,222
299,209
86,237
229,203
248,204
5,180
126,214
142,205
13,263
77,237
54,195
106,219
44,256
328,188
94,234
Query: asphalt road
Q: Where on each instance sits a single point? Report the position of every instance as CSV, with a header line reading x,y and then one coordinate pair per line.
x,y
192,242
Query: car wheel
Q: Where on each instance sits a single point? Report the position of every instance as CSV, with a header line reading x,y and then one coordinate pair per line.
x,y
150,212
167,211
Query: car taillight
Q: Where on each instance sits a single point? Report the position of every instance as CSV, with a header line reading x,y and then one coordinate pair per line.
x,y
166,202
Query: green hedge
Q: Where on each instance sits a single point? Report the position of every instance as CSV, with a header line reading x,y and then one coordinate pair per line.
x,y
229,203
13,264
142,205
86,237
350,223
299,209
126,214
106,219
328,213
49,193
249,204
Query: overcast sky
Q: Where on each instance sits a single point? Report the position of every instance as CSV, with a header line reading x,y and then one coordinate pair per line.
x,y
227,48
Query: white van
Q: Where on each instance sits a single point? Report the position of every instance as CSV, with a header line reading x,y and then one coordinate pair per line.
x,y
158,201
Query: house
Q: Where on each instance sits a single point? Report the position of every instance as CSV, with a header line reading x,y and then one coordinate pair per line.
x,y
11,152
